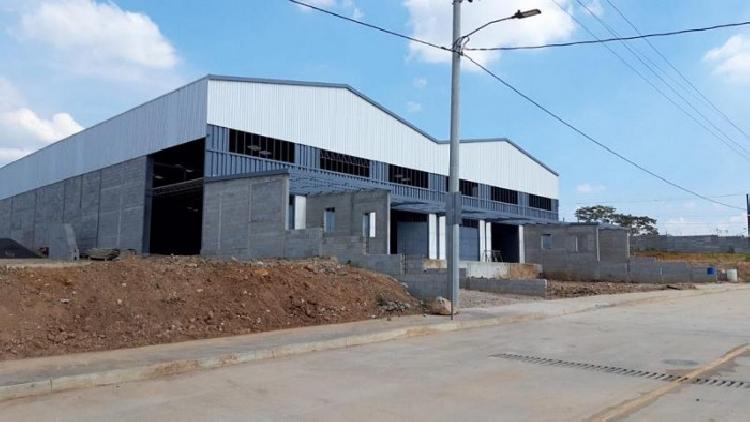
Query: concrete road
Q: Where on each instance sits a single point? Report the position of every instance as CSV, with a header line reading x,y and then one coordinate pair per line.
x,y
470,375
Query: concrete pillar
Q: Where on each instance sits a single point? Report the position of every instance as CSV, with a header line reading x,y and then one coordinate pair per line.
x,y
441,237
488,239
521,246
300,212
432,242
482,243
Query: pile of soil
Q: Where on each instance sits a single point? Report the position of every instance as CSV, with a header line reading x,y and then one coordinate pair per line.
x,y
138,301
560,289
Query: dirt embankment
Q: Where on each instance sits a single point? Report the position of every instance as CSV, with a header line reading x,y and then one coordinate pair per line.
x,y
561,289
136,302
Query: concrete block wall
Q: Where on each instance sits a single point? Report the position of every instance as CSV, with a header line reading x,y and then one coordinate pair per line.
x,y
567,242
707,243
528,287
5,208
636,271
122,204
23,209
245,217
109,214
48,211
350,207
614,245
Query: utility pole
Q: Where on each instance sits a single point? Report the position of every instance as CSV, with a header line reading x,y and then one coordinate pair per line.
x,y
747,202
453,199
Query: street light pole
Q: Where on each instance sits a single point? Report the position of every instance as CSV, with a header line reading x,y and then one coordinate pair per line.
x,y
453,199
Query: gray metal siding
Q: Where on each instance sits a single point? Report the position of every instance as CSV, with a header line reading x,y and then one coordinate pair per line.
x,y
169,120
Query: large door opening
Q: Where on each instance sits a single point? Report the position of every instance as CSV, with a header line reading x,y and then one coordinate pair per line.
x,y
177,199
505,241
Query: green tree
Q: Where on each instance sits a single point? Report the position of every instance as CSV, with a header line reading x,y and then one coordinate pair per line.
x,y
637,225
595,214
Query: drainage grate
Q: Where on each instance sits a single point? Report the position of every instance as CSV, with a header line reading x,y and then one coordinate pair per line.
x,y
656,376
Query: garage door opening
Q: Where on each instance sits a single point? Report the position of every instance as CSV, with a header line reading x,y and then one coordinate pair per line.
x,y
177,200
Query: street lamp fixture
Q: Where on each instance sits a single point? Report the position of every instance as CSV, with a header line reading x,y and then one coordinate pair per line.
x,y
526,14
459,45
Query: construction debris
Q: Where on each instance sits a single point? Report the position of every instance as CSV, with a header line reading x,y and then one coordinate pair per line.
x,y
102,254
439,306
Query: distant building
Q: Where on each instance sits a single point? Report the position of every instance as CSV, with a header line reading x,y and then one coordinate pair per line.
x,y
161,178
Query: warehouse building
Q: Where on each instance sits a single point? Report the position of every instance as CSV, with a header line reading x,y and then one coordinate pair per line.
x,y
253,167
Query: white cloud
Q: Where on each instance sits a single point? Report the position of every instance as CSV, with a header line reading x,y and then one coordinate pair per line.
x,y
357,13
431,20
595,6
27,123
413,107
590,188
732,59
419,83
98,38
22,131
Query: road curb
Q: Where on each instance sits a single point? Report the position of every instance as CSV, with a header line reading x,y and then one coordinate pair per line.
x,y
179,366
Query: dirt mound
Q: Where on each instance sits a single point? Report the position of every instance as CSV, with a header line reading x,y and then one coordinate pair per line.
x,y
560,289
10,249
136,302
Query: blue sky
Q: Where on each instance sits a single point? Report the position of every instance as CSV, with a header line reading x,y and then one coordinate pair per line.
x,y
69,64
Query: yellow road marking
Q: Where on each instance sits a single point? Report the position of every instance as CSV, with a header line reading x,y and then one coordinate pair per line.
x,y
630,406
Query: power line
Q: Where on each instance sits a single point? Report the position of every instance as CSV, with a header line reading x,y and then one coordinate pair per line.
x,y
679,73
650,65
651,84
378,28
535,103
591,139
613,39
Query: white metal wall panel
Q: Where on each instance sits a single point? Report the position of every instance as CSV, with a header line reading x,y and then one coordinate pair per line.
x,y
336,119
502,164
169,120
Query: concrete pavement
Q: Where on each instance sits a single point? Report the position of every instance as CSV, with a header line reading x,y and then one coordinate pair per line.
x,y
469,374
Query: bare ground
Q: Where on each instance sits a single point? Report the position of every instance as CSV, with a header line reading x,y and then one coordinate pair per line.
x,y
135,302
476,299
561,289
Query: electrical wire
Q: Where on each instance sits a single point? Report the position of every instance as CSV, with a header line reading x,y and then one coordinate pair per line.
x,y
591,139
371,26
735,146
533,102
679,73
613,39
